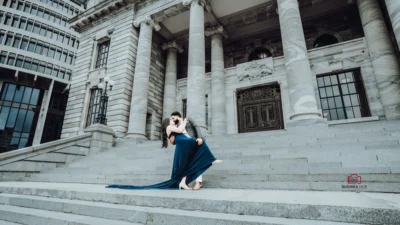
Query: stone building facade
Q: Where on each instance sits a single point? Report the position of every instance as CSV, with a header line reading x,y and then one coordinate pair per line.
x,y
240,67
37,56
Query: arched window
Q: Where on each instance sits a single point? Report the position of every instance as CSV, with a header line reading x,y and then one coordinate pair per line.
x,y
325,40
259,53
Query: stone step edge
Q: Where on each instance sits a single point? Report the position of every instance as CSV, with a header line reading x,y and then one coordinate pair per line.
x,y
3,222
21,215
370,215
264,178
125,212
216,173
326,186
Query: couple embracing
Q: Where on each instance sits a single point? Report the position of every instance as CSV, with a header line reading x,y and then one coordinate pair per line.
x,y
192,155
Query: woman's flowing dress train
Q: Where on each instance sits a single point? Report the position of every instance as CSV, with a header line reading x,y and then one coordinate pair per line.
x,y
190,161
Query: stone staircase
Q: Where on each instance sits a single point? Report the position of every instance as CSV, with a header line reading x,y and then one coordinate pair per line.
x,y
286,160
290,177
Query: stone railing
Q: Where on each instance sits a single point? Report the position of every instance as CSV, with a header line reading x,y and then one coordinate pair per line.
x,y
15,165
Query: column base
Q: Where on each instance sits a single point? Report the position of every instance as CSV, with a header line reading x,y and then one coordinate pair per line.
x,y
137,137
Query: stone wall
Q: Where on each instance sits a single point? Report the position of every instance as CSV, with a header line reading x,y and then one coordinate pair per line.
x,y
346,26
16,165
346,55
120,68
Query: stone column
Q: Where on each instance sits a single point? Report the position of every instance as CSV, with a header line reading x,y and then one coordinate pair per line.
x,y
384,62
138,111
37,138
218,119
196,66
169,105
303,103
393,7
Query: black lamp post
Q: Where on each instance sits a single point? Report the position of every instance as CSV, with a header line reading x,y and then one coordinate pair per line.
x,y
102,113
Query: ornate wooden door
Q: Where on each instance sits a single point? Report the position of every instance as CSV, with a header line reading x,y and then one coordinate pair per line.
x,y
260,108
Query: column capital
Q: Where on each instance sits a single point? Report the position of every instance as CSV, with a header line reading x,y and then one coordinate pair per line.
x,y
298,4
215,31
204,3
148,20
173,45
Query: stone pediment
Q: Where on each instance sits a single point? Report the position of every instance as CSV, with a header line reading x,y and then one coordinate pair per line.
x,y
255,70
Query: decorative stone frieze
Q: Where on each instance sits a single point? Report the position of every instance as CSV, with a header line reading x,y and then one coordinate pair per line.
x,y
255,70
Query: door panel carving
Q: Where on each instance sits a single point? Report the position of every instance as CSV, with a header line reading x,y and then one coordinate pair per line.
x,y
260,108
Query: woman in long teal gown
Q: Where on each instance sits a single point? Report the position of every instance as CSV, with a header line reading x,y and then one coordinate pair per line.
x,y
190,159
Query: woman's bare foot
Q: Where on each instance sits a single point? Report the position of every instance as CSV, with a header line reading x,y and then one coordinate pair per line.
x,y
217,161
197,186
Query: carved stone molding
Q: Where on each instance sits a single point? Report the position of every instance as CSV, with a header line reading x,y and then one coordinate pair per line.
x,y
204,3
149,21
216,30
172,44
255,70
99,11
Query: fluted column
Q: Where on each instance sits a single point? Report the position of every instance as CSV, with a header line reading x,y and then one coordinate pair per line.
x,y
138,112
218,119
300,78
196,66
393,7
169,104
384,62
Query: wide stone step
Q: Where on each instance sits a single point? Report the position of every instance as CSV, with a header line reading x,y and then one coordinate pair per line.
x,y
342,137
229,152
362,208
147,215
104,179
29,216
300,161
381,187
328,183
300,138
237,171
3,222
242,147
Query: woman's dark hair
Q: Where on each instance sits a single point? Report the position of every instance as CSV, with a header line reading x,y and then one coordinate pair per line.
x,y
164,136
